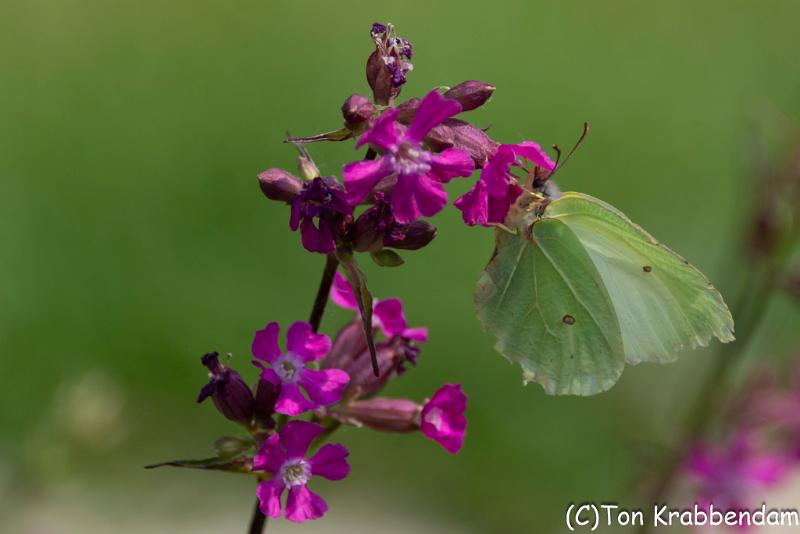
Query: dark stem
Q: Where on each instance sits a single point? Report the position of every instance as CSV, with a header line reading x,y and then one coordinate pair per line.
x,y
331,263
259,521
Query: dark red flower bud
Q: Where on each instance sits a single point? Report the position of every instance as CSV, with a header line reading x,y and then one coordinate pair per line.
x,y
412,236
277,184
460,134
264,405
471,94
388,415
231,395
357,110
407,110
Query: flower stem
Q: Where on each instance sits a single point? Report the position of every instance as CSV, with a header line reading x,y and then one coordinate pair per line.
x,y
258,522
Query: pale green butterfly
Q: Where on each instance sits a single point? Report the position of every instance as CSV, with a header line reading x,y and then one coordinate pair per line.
x,y
575,290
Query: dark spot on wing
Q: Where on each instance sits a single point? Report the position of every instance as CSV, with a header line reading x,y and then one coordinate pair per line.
x,y
568,319
647,268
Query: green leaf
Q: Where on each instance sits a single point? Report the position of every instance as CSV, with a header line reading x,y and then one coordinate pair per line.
x,y
580,290
358,281
387,258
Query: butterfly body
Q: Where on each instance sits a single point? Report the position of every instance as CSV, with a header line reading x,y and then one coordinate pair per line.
x,y
577,290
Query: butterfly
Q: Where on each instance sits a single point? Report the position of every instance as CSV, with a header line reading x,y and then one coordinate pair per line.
x,y
575,291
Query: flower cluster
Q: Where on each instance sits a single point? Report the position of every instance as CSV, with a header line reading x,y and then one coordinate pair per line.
x,y
415,148
332,381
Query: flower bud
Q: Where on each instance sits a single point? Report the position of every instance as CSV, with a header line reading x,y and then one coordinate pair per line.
x,y
388,64
362,377
348,345
357,110
388,415
264,405
277,184
470,94
460,134
231,395
407,110
412,236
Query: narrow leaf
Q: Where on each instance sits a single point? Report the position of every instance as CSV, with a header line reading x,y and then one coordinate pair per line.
x,y
364,298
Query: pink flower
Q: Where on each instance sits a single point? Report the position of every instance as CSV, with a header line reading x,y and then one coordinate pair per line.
x,y
442,418
288,370
496,190
417,174
728,476
387,315
284,455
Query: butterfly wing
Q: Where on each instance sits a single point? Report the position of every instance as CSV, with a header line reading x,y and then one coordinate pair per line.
x,y
545,302
663,304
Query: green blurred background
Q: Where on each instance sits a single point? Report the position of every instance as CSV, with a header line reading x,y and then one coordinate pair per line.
x,y
134,238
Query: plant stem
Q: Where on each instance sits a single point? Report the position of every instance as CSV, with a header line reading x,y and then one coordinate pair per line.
x,y
258,522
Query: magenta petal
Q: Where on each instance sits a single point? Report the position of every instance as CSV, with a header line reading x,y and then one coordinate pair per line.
x,y
269,495
265,343
390,316
474,205
451,163
342,294
296,437
268,373
361,177
442,418
269,457
294,216
419,333
316,238
495,174
498,207
416,195
307,345
291,401
330,462
534,153
304,505
324,387
433,109
383,134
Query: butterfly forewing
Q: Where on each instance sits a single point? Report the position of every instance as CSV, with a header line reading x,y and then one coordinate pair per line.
x,y
662,303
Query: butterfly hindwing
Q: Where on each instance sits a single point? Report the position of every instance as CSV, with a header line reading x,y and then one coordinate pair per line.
x,y
545,302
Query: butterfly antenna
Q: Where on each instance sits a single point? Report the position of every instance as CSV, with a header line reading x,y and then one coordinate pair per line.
x,y
574,148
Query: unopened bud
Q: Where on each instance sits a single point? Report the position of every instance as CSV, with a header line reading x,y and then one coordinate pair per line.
x,y
231,395
460,134
264,405
362,377
471,94
349,344
407,110
357,110
277,184
412,236
389,415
